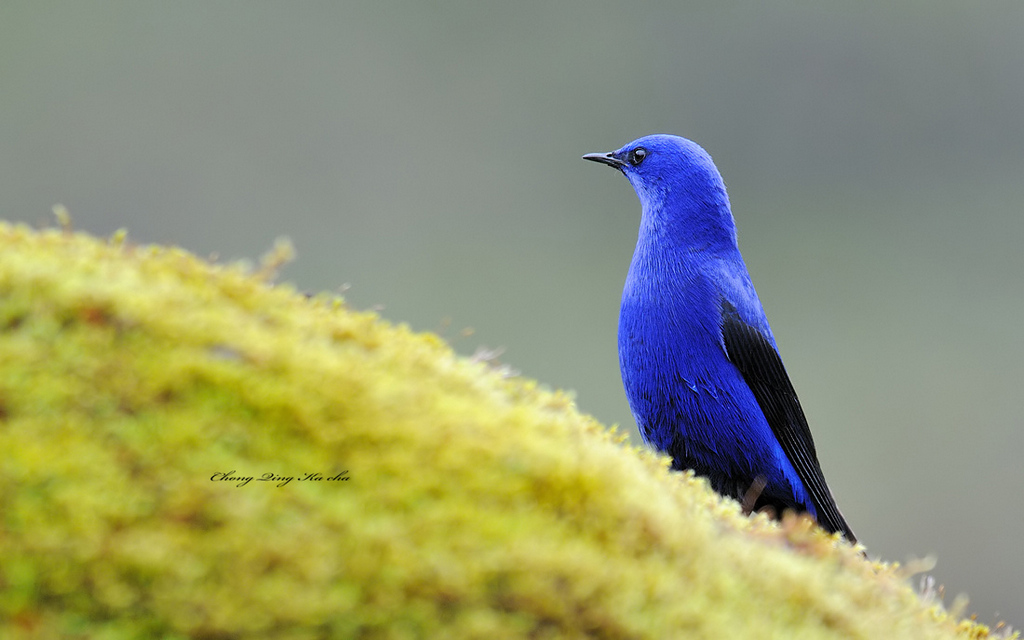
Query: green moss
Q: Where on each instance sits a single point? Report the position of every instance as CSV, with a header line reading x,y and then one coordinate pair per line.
x,y
474,506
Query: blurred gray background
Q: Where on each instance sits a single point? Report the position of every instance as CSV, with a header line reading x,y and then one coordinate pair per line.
x,y
428,154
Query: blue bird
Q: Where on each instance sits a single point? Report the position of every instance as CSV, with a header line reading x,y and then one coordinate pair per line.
x,y
699,363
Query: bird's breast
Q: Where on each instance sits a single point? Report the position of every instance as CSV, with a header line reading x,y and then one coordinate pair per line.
x,y
670,341
676,373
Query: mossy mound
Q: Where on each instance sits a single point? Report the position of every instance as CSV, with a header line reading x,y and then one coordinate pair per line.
x,y
453,502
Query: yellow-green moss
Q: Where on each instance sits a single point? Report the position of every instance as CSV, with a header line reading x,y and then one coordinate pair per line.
x,y
476,506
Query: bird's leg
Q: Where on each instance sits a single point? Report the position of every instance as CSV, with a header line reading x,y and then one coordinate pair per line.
x,y
752,493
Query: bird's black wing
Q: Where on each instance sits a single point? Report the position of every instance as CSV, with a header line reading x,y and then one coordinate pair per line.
x,y
759,363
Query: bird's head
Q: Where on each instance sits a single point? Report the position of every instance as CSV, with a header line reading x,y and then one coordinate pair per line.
x,y
678,186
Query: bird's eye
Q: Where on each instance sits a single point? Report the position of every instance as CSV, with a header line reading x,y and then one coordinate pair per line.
x,y
636,156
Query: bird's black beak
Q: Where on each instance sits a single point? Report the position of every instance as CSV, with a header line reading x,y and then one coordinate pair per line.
x,y
606,158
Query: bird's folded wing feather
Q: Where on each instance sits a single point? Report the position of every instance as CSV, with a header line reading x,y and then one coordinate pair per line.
x,y
761,367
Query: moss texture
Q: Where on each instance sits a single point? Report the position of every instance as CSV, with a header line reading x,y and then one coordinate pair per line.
x,y
454,502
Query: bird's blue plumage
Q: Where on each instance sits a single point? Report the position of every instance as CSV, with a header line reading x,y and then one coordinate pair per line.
x,y
699,363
